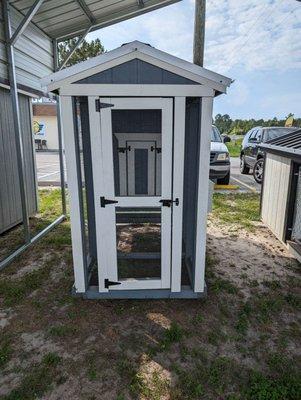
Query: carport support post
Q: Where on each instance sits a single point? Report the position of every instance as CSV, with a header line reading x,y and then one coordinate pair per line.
x,y
16,113
203,187
60,136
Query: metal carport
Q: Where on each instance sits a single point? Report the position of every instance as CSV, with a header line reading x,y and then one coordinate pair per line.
x,y
56,21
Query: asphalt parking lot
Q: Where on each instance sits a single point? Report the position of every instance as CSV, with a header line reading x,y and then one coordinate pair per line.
x,y
48,170
245,183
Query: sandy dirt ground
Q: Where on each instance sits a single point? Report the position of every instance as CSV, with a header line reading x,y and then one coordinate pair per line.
x,y
243,340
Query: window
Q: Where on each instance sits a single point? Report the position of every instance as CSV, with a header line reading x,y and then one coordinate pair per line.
x,y
215,135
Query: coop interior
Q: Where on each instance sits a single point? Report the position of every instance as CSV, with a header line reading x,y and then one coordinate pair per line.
x,y
137,172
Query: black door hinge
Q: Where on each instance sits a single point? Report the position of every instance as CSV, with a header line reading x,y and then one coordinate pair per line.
x,y
168,203
124,149
111,283
99,105
104,201
157,149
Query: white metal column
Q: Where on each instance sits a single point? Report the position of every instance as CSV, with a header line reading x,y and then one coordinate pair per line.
x,y
203,187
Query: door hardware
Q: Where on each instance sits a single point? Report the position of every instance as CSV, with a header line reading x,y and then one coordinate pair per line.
x,y
104,201
168,203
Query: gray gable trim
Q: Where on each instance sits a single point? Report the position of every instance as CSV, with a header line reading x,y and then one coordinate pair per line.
x,y
137,72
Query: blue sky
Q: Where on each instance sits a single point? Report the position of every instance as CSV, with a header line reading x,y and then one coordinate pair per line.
x,y
257,43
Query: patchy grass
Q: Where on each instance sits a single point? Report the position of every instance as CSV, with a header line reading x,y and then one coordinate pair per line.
x,y
241,210
234,147
227,346
38,380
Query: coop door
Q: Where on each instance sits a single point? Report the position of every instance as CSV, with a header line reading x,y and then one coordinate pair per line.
x,y
133,188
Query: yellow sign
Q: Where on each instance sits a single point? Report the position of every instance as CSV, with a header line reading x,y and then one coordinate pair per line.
x,y
289,121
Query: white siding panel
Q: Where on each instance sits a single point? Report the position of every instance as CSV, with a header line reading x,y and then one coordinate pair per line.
x,y
33,53
275,191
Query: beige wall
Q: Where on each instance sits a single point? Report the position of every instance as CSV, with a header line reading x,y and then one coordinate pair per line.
x,y
51,131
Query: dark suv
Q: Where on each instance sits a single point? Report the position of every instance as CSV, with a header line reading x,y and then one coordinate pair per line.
x,y
251,157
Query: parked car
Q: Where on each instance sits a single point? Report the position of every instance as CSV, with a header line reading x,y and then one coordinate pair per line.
x,y
219,158
251,156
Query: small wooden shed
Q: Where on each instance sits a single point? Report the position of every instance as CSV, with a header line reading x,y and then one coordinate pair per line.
x,y
137,127
281,191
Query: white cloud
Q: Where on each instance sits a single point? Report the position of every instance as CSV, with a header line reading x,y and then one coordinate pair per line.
x,y
253,34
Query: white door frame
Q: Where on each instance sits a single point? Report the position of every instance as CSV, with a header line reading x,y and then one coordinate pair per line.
x,y
102,162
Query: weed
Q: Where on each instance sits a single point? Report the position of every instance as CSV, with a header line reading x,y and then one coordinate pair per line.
x,y
222,285
286,387
172,335
38,380
5,351
61,330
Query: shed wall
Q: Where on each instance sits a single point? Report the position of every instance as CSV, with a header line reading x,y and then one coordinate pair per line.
x,y
10,207
275,192
33,53
191,167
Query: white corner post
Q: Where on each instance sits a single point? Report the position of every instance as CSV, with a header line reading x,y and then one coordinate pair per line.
x,y
75,194
178,174
203,187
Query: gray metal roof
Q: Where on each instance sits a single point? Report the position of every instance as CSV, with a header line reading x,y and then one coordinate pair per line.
x,y
64,19
289,144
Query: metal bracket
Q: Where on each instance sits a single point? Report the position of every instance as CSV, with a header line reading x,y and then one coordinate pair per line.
x,y
104,201
157,149
111,283
168,203
124,149
99,105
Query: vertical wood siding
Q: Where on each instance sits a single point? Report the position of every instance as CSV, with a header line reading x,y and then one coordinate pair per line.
x,y
275,191
10,203
33,53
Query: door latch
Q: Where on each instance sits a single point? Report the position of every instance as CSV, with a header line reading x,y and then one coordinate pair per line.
x,y
124,149
111,283
157,149
168,203
104,201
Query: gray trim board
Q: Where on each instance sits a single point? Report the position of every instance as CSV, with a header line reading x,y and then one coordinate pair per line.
x,y
92,293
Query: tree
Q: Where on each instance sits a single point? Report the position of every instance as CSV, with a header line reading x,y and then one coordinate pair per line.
x,y
85,51
223,122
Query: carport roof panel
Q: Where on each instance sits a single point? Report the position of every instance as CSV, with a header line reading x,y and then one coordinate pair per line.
x,y
63,19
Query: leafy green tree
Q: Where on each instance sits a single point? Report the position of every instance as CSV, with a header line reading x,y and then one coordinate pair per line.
x,y
223,122
85,51
241,126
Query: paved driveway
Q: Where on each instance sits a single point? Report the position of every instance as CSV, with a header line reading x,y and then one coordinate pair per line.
x,y
48,170
245,182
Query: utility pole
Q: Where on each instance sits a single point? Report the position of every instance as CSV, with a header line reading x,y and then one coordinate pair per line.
x,y
199,32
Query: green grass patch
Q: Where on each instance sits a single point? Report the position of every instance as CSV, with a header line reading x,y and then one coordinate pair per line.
x,y
38,380
61,330
5,351
14,291
234,147
240,209
173,334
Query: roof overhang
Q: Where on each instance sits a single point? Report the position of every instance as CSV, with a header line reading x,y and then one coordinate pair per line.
x,y
61,20
136,49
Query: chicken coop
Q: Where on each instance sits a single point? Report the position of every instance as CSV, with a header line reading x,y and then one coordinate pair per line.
x,y
137,127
